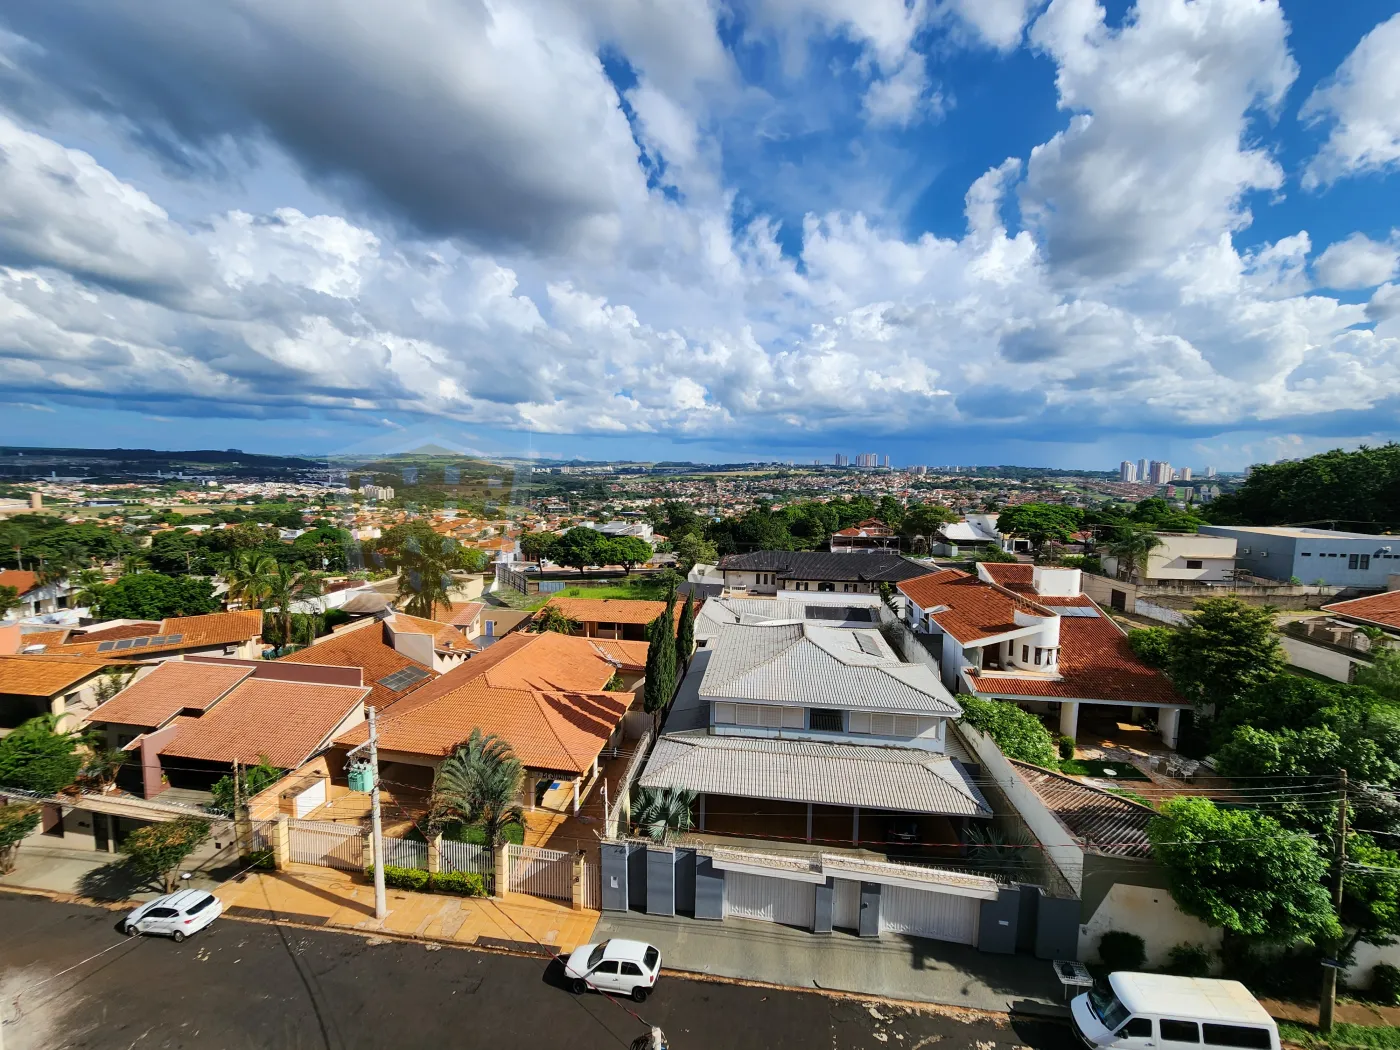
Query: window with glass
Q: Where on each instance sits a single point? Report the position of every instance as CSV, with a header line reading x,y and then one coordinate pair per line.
x,y
1104,1005
1179,1031
1238,1035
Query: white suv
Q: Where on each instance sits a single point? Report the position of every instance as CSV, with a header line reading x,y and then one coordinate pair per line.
x,y
629,967
175,915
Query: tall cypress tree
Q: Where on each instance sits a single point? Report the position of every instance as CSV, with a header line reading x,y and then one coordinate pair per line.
x,y
685,634
661,664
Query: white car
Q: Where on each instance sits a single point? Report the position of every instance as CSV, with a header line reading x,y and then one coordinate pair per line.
x,y
628,967
175,915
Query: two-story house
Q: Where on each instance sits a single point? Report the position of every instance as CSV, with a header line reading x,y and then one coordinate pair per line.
x,y
800,572
1026,633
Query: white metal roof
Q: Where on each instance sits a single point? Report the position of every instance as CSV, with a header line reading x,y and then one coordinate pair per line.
x,y
1189,998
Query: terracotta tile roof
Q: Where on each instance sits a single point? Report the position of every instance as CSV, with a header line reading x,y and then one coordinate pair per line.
x,y
631,656
543,693
22,580
173,688
285,722
1019,577
1100,821
1383,609
458,614
445,636
610,610
125,630
364,647
1096,663
44,674
44,637
975,610
224,628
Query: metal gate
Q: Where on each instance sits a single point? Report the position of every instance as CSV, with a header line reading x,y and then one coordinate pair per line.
x,y
541,872
332,845
845,912
459,856
405,853
592,886
773,900
941,916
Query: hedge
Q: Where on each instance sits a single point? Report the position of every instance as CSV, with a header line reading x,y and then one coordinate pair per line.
x,y
466,884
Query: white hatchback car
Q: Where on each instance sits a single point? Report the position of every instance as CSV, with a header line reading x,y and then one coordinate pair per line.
x,y
175,915
629,967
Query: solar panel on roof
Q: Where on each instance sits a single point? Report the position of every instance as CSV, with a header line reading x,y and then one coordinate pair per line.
x,y
868,645
125,643
403,679
1074,610
171,639
141,643
106,647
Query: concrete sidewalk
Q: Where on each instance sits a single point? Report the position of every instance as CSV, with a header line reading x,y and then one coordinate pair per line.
x,y
319,896
894,967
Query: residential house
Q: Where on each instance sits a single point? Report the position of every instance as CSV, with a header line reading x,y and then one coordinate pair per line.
x,y
623,618
1026,634
482,623
35,598
440,646
36,684
1193,556
856,612
237,634
390,672
1336,644
975,531
612,529
558,701
190,720
869,535
781,572
1333,557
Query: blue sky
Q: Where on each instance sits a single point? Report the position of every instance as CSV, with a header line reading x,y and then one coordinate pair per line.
x,y
953,231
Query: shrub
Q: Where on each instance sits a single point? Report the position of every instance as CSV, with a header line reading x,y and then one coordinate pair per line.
x,y
1385,984
468,884
261,858
1018,733
403,878
1189,960
1066,745
1122,951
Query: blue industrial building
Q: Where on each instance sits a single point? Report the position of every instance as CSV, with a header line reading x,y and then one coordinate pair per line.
x,y
1283,552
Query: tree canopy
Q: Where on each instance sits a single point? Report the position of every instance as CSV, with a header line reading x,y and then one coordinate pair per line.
x,y
157,850
35,757
154,596
1018,733
1360,490
1041,523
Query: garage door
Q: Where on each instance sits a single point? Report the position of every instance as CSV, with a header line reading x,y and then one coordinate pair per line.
x,y
846,904
941,916
774,900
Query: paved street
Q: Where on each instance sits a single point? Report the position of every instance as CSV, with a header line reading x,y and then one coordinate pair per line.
x,y
244,985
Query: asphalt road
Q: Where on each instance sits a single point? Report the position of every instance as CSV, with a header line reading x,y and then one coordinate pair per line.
x,y
68,979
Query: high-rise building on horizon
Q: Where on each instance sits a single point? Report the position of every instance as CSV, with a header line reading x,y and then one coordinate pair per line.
x,y
1127,471
1159,472
841,461
1185,473
1210,472
1142,470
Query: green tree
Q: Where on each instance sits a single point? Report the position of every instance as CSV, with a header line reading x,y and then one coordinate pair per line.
x,y
37,757
156,851
1383,675
660,683
251,780
661,814
537,546
1242,872
1370,909
479,784
17,820
9,599
1018,733
1133,550
553,618
1041,522
88,587
1225,648
579,548
154,596
693,549
425,562
627,551
249,578
1358,489
175,552
287,586
890,511
685,633
1152,645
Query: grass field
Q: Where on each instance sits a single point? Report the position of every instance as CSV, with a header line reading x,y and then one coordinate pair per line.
x,y
636,588
1373,1037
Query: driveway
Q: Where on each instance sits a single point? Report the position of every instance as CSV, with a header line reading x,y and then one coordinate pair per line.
x,y
910,968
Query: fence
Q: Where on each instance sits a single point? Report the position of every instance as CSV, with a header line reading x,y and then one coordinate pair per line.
x,y
330,845
405,853
592,886
458,856
614,819
541,872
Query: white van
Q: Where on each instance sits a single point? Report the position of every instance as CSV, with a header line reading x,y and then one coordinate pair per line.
x,y
1152,1011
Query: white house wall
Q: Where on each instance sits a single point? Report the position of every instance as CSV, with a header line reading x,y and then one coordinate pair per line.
x,y
1320,660
1152,915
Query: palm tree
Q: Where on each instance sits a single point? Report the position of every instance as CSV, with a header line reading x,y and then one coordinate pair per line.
x,y
552,618
1132,548
284,588
133,563
479,783
662,813
90,585
249,578
423,573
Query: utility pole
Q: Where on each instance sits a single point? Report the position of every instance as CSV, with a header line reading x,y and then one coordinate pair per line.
x,y
381,907
1327,1002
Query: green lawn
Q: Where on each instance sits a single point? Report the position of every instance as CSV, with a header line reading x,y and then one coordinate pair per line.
x,y
637,588
1373,1037
1089,767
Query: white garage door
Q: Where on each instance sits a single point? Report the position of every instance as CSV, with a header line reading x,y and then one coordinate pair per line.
x,y
941,916
774,900
312,797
